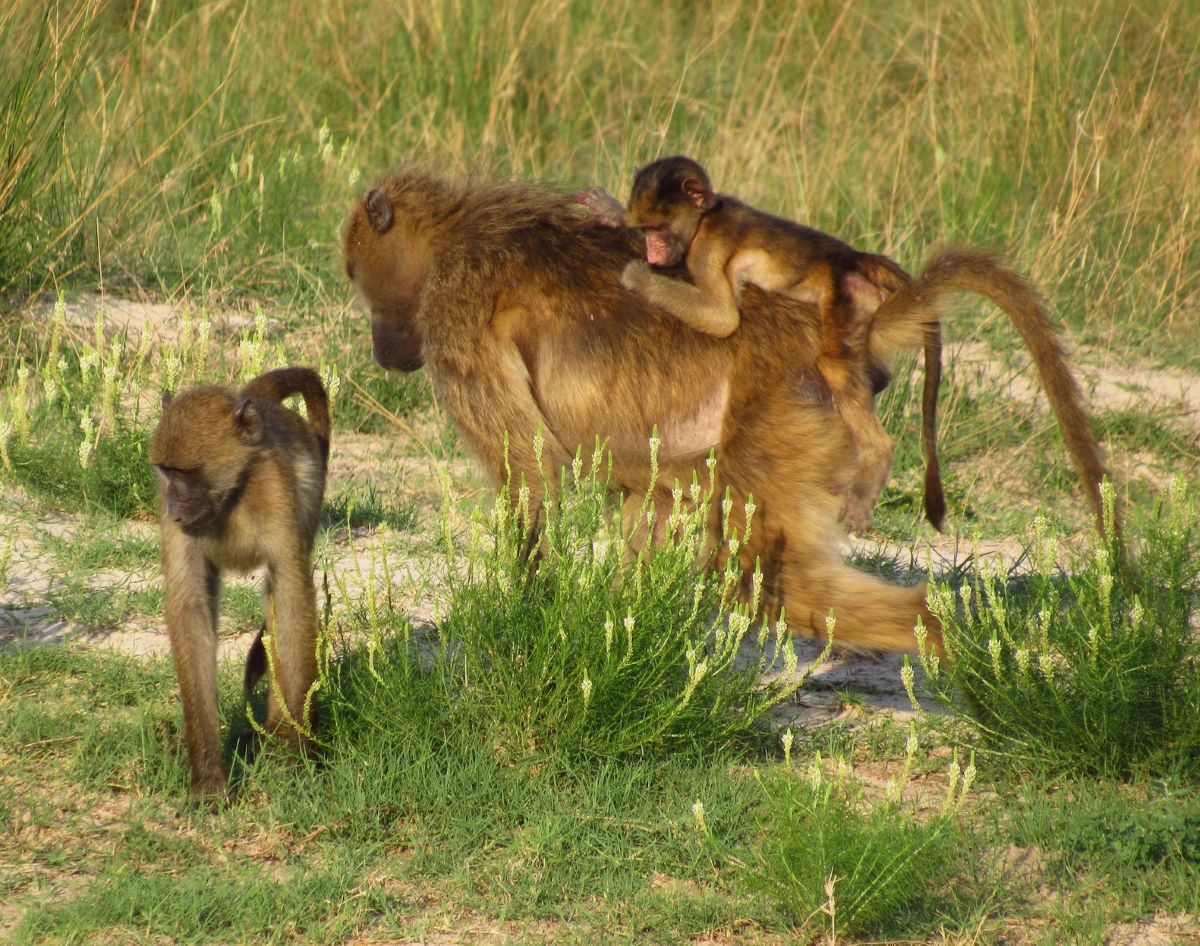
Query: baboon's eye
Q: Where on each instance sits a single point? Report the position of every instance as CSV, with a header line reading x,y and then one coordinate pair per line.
x,y
174,472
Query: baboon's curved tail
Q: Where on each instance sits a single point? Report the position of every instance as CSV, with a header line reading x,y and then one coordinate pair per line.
x,y
903,319
283,383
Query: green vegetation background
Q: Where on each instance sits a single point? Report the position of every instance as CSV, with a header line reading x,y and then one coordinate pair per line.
x,y
213,147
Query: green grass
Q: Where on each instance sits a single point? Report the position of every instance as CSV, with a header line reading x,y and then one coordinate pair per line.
x,y
1090,666
1141,841
208,903
103,608
215,182
421,825
365,507
79,410
834,863
588,655
394,826
101,543
378,398
465,780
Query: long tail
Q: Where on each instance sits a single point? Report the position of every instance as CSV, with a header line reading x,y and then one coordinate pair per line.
x,y
902,320
885,273
283,383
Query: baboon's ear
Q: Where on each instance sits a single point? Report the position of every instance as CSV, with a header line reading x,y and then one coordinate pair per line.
x,y
379,209
698,194
248,421
167,398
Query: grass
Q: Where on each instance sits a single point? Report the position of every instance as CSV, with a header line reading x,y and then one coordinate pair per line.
x,y
467,780
424,829
586,656
833,862
103,608
102,543
47,185
1091,666
1060,135
502,770
1143,840
366,508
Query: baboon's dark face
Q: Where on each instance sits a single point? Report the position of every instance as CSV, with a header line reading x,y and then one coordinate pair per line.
x,y
395,342
202,447
668,226
668,200
667,229
664,247
387,264
187,498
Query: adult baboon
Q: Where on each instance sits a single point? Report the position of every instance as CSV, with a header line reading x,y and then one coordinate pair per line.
x,y
512,297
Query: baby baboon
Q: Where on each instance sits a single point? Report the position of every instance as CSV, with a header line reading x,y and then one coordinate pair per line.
x,y
728,245
241,482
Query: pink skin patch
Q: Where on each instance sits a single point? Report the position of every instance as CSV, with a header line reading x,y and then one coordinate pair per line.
x,y
658,251
694,435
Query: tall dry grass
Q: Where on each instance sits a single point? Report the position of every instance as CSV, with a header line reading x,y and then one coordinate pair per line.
x,y
1065,134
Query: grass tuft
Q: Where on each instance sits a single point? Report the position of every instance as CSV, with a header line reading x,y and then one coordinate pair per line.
x,y
835,862
591,652
1092,668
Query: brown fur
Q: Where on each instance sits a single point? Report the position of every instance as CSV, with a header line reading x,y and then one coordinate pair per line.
x,y
510,296
898,322
241,484
728,245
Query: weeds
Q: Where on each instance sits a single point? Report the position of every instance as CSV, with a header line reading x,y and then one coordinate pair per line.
x,y
77,411
1092,668
596,651
834,861
69,430
103,608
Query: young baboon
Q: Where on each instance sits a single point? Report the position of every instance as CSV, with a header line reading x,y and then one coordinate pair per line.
x,y
241,482
512,299
728,245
